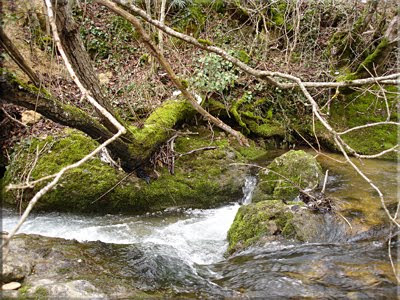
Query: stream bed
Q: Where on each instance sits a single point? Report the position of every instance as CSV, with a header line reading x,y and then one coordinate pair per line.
x,y
182,251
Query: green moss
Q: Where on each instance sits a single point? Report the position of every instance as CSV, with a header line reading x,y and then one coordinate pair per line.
x,y
267,130
215,105
157,127
277,12
77,188
272,220
255,221
244,115
205,42
372,58
236,115
243,56
338,45
357,109
202,179
30,88
366,64
252,153
40,293
144,58
23,292
185,83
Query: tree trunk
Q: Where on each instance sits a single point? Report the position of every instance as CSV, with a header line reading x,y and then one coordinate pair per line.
x,y
6,43
76,53
16,92
134,155
73,46
162,21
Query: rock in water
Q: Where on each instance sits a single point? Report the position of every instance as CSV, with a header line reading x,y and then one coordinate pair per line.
x,y
286,174
272,220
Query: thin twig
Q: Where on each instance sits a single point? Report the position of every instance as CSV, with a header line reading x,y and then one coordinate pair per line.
x,y
114,186
345,219
390,256
369,125
325,181
13,119
49,186
197,150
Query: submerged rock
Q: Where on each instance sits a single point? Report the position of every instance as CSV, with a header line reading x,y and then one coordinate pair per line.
x,y
64,269
201,179
271,220
67,269
286,174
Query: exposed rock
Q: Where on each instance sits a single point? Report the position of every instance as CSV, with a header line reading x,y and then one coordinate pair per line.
x,y
11,286
105,78
271,220
286,174
30,117
64,269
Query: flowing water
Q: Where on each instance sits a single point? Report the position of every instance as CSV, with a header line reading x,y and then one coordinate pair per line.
x,y
183,250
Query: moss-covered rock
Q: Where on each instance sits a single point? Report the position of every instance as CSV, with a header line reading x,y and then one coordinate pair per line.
x,y
286,174
271,220
202,179
244,114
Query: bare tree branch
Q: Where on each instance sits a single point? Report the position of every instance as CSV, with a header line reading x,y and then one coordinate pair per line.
x,y
369,125
6,43
121,130
180,84
262,74
12,118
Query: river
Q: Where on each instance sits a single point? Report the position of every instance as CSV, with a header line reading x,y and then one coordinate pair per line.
x,y
184,249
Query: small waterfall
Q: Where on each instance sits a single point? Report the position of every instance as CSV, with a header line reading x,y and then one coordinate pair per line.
x,y
248,189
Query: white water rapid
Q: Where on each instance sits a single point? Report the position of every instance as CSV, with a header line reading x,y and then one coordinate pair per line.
x,y
196,236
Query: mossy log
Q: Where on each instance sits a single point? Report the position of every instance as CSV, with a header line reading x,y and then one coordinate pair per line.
x,y
133,154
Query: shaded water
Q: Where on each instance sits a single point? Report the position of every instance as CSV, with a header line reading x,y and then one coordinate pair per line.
x,y
182,251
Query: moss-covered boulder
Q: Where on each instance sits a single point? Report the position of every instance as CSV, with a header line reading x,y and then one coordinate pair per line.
x,y
360,108
271,220
286,174
202,179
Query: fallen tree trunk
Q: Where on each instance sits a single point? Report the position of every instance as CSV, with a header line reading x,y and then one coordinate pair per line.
x,y
133,155
14,91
